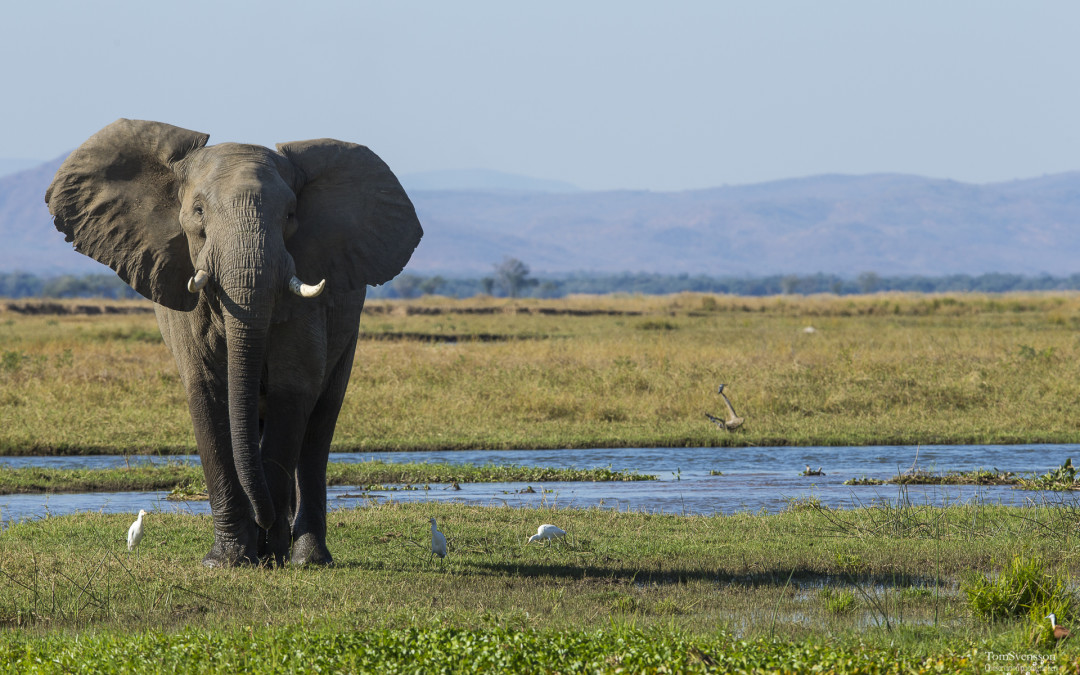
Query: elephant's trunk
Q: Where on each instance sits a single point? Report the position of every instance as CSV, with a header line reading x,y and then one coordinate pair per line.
x,y
247,350
248,289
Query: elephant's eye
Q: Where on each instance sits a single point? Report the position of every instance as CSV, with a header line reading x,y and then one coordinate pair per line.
x,y
198,210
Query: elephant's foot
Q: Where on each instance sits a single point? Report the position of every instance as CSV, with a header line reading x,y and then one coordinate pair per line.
x,y
308,550
232,551
220,556
274,547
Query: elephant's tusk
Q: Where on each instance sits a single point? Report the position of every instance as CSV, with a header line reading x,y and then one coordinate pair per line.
x,y
198,282
305,291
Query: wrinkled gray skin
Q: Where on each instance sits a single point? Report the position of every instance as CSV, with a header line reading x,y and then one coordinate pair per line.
x,y
265,370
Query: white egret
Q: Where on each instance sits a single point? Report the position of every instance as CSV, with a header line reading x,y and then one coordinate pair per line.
x,y
438,542
135,532
1060,632
546,531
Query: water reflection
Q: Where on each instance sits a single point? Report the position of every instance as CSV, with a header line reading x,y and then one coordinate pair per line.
x,y
753,479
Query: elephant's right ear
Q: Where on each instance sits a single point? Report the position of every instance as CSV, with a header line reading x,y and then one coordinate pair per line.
x,y
116,197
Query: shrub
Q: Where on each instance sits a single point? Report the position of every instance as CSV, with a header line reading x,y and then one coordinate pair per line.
x,y
1024,588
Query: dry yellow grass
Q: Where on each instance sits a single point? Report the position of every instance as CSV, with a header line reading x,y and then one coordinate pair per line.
x,y
598,371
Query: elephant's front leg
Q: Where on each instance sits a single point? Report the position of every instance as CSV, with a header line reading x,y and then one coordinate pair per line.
x,y
198,346
236,535
309,523
286,415
296,362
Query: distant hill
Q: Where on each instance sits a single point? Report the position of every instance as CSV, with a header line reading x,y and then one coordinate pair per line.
x,y
10,165
885,223
481,180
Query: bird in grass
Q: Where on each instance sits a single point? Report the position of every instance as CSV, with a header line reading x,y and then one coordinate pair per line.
x,y
546,531
733,421
1060,632
438,542
135,532
811,472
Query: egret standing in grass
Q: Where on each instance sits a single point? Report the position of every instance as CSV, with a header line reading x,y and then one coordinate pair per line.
x,y
135,532
546,531
438,542
1060,632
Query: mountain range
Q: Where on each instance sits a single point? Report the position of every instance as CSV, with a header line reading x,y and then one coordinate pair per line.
x,y
891,224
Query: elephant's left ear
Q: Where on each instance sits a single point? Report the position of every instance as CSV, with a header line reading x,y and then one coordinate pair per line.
x,y
356,227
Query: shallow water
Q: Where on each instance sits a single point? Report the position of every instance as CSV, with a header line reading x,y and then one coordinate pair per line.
x,y
754,479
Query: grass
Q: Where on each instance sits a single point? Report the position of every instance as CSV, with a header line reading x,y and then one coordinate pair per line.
x,y
610,371
879,589
187,479
852,588
455,650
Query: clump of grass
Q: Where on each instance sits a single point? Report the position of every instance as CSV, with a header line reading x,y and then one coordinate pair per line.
x,y
838,602
1024,588
810,503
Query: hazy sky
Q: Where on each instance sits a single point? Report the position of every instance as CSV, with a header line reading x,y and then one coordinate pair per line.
x,y
603,94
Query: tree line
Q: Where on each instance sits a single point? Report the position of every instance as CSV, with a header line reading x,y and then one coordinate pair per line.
x,y
512,278
407,286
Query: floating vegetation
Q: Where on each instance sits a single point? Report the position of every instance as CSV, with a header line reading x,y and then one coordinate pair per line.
x,y
920,477
1061,478
864,481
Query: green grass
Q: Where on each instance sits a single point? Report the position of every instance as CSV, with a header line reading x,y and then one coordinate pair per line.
x,y
452,650
851,588
611,371
188,478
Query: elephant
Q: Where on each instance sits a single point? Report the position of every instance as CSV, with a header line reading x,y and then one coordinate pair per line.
x,y
219,237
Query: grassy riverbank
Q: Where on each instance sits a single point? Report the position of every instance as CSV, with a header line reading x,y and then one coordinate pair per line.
x,y
858,591
597,372
173,475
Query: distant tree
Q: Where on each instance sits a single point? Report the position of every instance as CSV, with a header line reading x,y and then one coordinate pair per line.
x,y
513,276
549,289
487,285
869,282
789,284
431,285
408,285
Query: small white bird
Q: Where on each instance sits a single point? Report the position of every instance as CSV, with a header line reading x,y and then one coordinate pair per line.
x,y
135,532
438,542
546,531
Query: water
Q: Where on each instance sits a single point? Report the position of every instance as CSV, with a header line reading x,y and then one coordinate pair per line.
x,y
754,479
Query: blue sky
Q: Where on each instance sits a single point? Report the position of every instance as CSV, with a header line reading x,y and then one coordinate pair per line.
x,y
604,94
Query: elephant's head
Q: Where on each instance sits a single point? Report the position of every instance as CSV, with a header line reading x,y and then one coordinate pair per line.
x,y
241,225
